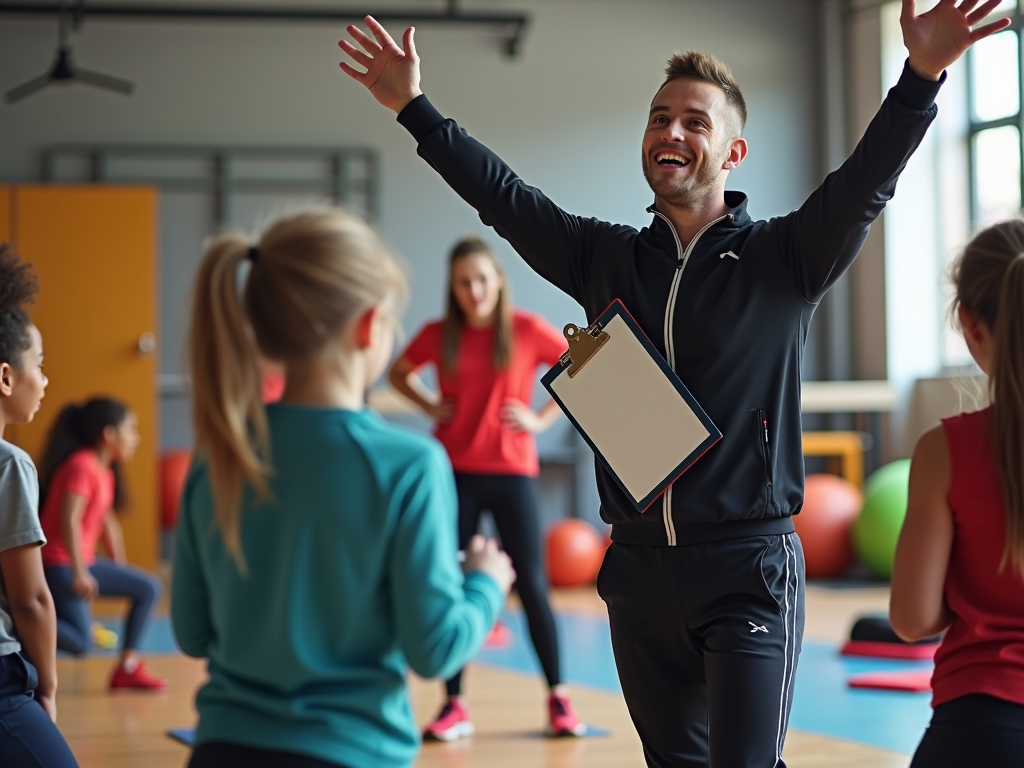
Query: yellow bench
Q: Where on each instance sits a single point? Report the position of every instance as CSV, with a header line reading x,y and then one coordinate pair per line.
x,y
848,446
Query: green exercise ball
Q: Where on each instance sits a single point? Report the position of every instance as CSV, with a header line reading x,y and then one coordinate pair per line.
x,y
877,528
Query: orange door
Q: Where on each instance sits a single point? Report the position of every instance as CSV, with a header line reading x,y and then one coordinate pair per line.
x,y
94,249
5,214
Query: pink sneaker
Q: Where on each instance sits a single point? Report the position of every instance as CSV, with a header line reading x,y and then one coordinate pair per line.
x,y
500,636
138,679
451,723
563,720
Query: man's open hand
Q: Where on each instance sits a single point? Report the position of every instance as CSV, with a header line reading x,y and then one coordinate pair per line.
x,y
392,74
939,37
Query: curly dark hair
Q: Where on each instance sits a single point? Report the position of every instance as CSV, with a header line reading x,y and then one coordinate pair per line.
x,y
18,287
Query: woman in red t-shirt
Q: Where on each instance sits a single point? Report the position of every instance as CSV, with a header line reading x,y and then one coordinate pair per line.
x,y
960,558
80,486
486,356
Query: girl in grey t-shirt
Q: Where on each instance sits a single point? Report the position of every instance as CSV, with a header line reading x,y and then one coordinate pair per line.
x,y
28,627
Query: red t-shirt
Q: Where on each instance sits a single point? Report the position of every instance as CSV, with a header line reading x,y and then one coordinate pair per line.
x,y
273,387
80,473
983,649
476,440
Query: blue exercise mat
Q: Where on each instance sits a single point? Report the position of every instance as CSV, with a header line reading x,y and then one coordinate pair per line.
x,y
157,639
185,736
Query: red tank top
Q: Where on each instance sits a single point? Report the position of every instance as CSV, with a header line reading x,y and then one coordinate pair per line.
x,y
983,649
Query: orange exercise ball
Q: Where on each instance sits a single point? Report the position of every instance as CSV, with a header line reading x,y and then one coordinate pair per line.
x,y
831,506
173,471
574,553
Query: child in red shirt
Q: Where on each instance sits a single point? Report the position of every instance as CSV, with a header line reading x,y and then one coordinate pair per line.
x,y
960,559
486,355
81,485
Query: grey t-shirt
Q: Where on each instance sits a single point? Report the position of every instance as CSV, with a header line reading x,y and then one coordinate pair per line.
x,y
19,524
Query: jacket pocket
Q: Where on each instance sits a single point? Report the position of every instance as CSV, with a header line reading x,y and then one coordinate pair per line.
x,y
763,439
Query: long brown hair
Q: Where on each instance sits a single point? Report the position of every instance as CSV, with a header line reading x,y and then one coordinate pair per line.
x,y
455,318
312,274
989,281
82,426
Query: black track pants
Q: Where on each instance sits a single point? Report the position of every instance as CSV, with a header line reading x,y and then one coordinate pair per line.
x,y
973,730
512,502
706,640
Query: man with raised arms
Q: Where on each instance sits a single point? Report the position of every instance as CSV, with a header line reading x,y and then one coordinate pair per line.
x,y
705,590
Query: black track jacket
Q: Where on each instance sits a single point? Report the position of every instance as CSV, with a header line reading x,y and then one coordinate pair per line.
x,y
732,328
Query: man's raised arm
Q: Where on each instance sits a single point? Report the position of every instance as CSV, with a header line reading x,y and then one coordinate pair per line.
x,y
823,237
555,243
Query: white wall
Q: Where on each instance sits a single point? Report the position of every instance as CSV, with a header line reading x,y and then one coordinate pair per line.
x,y
567,115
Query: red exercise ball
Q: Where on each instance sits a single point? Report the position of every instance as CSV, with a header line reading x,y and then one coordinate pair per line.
x,y
173,471
575,552
831,506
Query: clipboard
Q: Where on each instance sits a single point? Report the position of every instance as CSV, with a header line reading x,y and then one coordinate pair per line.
x,y
635,414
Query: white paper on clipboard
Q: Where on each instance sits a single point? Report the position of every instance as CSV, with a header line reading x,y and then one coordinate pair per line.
x,y
633,411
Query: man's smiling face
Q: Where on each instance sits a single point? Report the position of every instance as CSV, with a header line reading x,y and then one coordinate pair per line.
x,y
688,139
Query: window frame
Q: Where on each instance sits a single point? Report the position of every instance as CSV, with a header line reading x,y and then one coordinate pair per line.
x,y
974,127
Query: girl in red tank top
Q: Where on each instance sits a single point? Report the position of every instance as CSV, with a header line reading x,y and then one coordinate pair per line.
x,y
486,356
960,559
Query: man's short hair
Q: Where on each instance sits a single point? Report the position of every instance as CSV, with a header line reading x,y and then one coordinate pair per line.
x,y
698,65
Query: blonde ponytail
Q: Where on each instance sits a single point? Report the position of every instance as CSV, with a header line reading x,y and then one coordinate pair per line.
x,y
314,273
227,408
989,280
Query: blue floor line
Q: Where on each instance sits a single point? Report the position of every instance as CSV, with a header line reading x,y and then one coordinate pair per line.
x,y
822,703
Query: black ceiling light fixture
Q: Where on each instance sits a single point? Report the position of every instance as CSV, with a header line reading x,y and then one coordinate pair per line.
x,y
64,70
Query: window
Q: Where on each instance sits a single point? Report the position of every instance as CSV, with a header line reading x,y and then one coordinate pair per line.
x,y
993,133
994,96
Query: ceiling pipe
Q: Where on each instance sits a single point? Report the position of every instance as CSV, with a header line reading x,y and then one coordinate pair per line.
x,y
514,23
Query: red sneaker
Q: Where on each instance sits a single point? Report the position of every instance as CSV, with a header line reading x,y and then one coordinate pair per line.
x,y
138,679
562,718
451,723
500,636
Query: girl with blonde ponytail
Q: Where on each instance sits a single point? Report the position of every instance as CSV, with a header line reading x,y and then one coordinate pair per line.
x,y
960,559
316,545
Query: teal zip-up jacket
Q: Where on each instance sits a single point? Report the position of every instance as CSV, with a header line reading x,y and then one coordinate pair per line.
x,y
352,578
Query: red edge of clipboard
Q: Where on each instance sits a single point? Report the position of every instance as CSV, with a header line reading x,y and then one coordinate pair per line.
x,y
720,435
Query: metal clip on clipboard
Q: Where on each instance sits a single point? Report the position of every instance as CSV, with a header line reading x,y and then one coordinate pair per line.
x,y
583,345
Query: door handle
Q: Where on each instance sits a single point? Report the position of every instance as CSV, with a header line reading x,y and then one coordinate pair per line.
x,y
146,344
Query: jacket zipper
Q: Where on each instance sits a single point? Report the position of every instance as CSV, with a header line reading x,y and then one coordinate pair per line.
x,y
766,445
670,351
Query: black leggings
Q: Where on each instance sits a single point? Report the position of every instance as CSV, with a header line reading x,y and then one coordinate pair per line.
x,y
512,501
218,754
973,730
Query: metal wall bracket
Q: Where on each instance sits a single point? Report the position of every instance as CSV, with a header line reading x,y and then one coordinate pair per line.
x,y
513,25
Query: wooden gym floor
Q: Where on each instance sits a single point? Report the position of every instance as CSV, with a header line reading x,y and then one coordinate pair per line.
x,y
127,730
